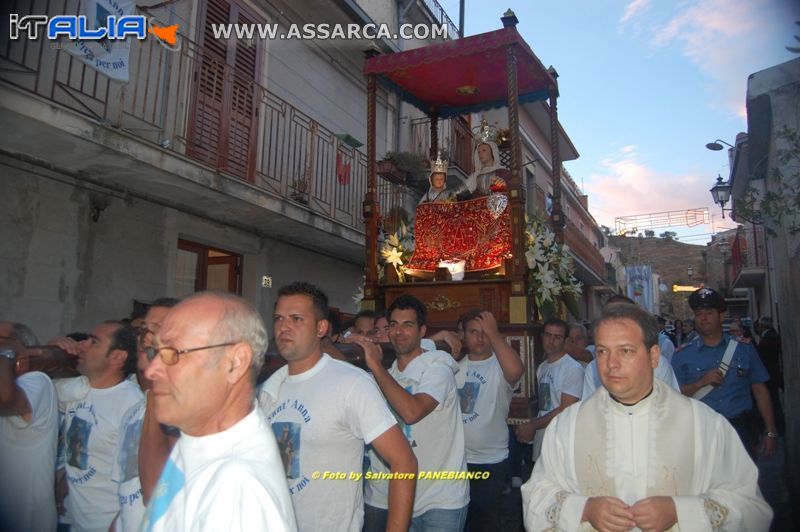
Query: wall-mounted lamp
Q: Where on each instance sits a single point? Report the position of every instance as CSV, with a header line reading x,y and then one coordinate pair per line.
x,y
721,192
716,146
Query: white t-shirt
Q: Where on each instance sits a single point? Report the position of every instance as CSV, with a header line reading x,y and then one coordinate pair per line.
x,y
437,439
92,419
27,459
321,420
225,482
126,470
485,396
565,375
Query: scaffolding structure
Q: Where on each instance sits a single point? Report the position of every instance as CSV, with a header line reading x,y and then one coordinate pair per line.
x,y
627,225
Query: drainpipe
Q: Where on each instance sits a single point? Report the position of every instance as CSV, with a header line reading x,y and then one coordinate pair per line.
x,y
165,83
461,19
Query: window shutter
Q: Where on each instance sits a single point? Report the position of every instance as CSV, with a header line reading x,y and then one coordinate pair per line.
x,y
222,129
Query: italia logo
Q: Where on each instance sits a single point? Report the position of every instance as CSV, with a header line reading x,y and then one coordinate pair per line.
x,y
78,28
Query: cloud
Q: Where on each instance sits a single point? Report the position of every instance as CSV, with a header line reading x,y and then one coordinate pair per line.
x,y
725,40
632,9
625,186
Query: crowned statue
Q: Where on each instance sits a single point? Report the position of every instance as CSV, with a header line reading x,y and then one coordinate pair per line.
x,y
438,191
488,174
474,232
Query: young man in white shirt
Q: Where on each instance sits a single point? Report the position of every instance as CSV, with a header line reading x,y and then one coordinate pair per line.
x,y
126,472
224,473
28,432
421,389
489,373
93,406
560,379
322,412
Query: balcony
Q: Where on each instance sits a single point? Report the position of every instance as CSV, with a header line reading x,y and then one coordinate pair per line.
x,y
440,15
590,267
748,257
454,136
191,131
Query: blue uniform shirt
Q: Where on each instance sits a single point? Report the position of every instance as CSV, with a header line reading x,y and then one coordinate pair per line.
x,y
746,369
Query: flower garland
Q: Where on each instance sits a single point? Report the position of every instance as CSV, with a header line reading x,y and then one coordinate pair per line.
x,y
549,269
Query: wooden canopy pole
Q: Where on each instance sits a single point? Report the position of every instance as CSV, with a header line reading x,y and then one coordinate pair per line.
x,y
519,304
434,149
557,214
370,208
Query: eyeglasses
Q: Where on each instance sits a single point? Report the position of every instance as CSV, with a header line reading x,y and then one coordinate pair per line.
x,y
169,355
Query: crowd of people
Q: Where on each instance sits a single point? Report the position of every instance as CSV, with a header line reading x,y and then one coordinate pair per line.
x,y
167,428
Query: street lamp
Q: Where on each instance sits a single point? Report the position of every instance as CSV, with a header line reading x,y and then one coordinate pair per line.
x,y
716,146
721,192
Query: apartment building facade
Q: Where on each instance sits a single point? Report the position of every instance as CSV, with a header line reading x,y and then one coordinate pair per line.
x,y
228,163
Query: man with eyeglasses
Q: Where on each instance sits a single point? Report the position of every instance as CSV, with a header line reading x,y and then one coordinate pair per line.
x,y
224,473
93,406
560,379
139,461
323,411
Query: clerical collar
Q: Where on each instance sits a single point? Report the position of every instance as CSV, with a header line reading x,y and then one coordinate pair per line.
x,y
628,405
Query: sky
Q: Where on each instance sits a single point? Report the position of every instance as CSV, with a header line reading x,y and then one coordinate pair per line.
x,y
644,85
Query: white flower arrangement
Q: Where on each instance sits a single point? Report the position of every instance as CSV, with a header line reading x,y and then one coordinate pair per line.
x,y
549,269
396,249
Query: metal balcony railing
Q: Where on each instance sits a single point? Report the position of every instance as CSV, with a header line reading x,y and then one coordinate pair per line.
x,y
748,249
454,136
580,246
583,248
270,143
440,15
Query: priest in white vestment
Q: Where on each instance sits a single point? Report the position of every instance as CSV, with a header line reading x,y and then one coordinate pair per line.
x,y
637,454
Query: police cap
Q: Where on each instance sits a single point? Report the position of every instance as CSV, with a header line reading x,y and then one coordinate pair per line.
x,y
707,298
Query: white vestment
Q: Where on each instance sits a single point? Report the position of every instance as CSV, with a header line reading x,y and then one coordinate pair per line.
x,y
665,445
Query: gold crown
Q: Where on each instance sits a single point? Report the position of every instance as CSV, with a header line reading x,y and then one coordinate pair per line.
x,y
439,164
487,132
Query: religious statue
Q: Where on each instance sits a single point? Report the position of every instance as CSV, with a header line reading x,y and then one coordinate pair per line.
x,y
438,191
488,174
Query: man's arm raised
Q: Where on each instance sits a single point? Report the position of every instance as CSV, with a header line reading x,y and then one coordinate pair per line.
x,y
509,360
410,407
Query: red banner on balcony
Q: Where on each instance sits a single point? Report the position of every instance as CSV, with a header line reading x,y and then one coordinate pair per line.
x,y
342,169
462,230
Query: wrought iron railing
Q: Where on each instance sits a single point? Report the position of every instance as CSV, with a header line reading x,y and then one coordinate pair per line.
x,y
580,246
440,15
748,249
294,157
583,248
454,136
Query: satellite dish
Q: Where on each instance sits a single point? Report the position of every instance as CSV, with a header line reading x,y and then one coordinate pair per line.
x,y
662,288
